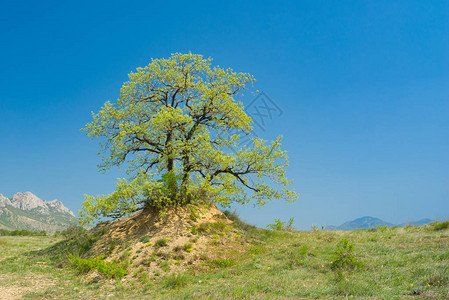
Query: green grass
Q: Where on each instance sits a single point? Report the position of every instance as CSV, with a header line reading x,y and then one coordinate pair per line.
x,y
109,269
398,263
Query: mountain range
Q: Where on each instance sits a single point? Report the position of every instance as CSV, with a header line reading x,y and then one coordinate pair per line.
x,y
371,222
27,211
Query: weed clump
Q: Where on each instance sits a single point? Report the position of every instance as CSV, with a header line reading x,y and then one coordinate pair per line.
x,y
109,269
145,239
176,280
222,262
161,243
188,247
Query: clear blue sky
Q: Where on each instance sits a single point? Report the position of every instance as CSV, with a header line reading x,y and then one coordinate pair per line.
x,y
363,85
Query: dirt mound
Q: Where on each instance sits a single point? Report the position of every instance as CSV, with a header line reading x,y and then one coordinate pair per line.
x,y
155,242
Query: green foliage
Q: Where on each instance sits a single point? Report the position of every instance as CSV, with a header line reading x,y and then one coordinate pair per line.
x,y
4,232
222,262
168,127
165,265
279,225
109,269
161,243
344,258
440,225
145,239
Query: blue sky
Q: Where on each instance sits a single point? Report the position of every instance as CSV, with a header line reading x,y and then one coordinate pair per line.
x,y
363,86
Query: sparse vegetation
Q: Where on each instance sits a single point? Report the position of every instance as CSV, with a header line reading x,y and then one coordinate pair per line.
x,y
109,269
145,239
403,262
161,243
188,247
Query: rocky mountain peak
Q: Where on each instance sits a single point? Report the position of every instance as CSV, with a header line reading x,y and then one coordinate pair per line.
x,y
58,206
4,201
29,201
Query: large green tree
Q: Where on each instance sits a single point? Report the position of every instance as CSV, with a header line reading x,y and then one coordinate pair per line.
x,y
167,127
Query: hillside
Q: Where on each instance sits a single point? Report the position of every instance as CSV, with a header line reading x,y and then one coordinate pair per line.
x,y
27,211
395,263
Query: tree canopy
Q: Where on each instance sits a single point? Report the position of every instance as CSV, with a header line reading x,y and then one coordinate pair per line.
x,y
167,127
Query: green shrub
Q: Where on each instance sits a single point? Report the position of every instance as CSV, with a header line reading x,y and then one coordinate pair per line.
x,y
145,239
109,269
344,258
440,225
279,225
161,243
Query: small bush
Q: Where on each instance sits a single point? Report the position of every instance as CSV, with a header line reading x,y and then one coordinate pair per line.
x,y
145,239
161,243
108,269
440,225
345,259
279,225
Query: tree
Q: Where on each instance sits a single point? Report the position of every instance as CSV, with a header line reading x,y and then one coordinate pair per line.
x,y
167,127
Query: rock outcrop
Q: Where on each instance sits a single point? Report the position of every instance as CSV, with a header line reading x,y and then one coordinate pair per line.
x,y
29,201
4,201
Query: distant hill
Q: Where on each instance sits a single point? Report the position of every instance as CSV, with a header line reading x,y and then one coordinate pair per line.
x,y
27,211
419,222
371,222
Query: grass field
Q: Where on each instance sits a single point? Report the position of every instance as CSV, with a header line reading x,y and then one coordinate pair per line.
x,y
386,263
